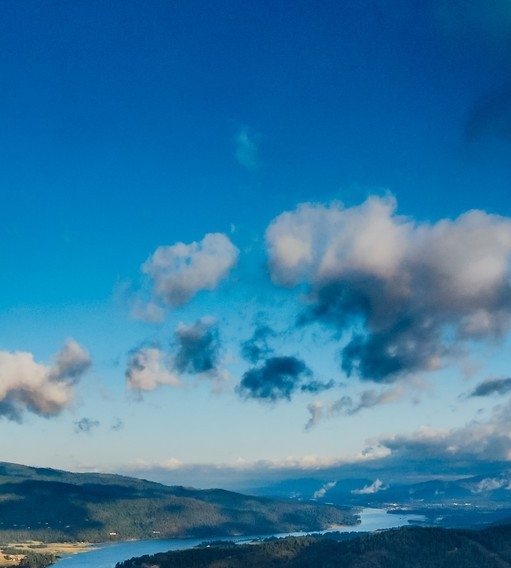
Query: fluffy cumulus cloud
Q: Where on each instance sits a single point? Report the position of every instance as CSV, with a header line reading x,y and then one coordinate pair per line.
x,y
415,291
182,270
148,368
45,390
279,378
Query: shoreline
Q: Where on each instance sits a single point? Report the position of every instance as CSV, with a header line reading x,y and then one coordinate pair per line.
x,y
60,549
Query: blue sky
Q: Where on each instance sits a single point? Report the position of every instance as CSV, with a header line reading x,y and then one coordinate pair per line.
x,y
254,238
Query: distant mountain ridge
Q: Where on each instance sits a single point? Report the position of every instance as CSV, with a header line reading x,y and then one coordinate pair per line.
x,y
54,505
381,490
469,500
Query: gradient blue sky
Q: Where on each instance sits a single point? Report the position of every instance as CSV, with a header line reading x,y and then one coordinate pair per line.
x,y
371,321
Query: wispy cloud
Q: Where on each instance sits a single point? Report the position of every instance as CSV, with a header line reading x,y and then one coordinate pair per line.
x,y
406,282
257,347
491,484
85,425
320,493
375,487
349,406
148,312
42,389
117,424
247,150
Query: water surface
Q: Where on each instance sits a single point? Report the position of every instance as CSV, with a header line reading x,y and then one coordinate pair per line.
x,y
107,555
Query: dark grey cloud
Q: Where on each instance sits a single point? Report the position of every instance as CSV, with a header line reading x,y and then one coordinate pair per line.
x,y
13,406
85,425
403,348
279,378
492,386
416,293
197,347
315,386
257,348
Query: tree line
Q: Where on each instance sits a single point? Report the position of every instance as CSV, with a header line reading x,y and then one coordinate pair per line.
x,y
407,547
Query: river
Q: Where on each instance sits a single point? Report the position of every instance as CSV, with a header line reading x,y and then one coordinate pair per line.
x,y
107,555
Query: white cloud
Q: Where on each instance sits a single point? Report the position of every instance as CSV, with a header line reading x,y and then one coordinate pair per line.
x,y
488,440
170,464
408,283
320,493
46,390
491,484
245,474
147,369
180,271
370,489
150,312
317,243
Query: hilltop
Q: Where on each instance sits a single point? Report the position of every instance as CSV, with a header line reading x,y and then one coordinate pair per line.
x,y
407,547
53,505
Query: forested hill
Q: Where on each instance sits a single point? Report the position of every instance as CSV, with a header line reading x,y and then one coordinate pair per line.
x,y
53,505
408,547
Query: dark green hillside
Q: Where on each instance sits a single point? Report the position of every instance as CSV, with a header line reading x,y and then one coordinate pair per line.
x,y
52,505
408,547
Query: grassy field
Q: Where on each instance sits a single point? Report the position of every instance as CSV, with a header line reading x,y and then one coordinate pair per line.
x,y
8,559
